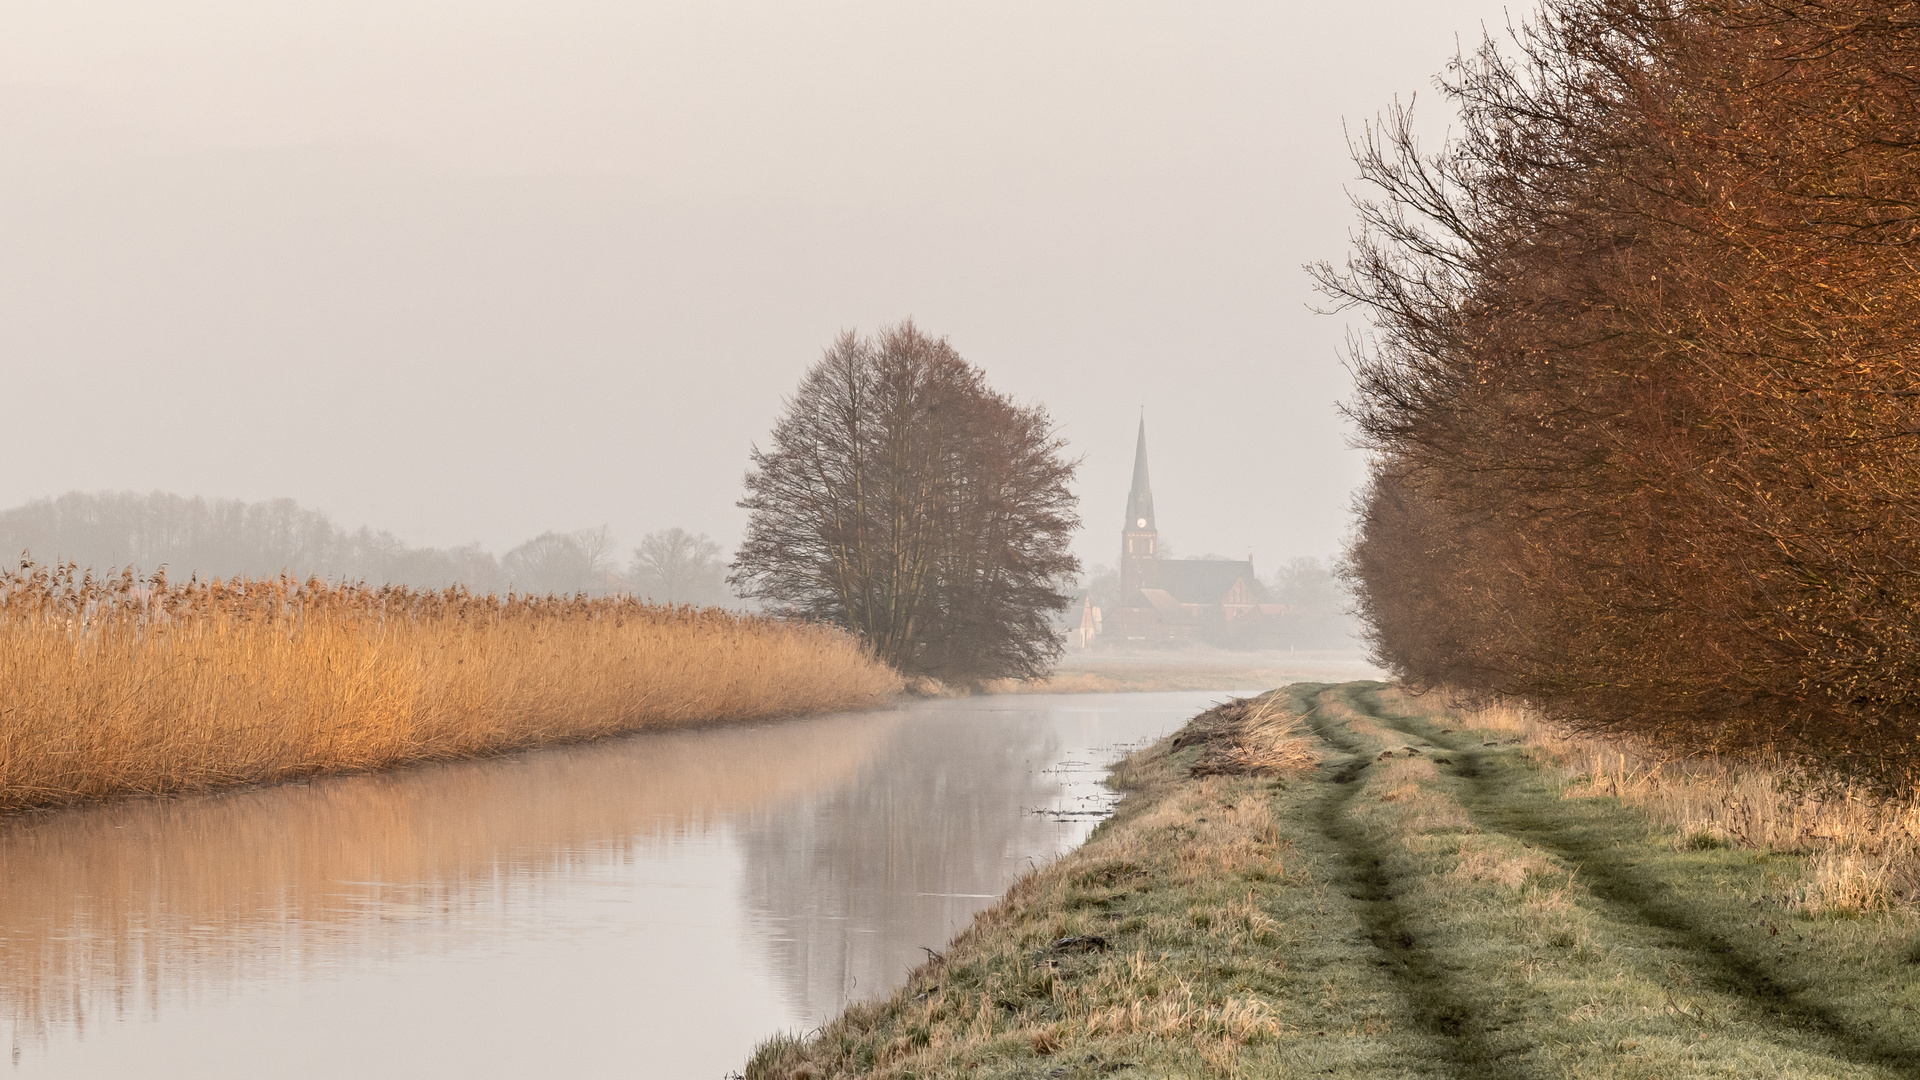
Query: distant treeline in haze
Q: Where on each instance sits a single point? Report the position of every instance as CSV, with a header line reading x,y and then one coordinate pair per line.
x,y
226,538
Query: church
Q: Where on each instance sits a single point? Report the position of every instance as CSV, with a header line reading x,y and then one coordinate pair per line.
x,y
1218,601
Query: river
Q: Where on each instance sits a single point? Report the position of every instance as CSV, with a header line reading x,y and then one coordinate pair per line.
x,y
646,906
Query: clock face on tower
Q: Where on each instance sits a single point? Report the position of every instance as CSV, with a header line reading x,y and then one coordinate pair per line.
x,y
1140,524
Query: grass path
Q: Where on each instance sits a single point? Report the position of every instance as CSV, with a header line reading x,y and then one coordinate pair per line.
x,y
1738,973
1423,903
1432,993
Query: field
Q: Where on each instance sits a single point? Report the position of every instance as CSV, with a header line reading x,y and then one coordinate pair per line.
x,y
1339,880
125,687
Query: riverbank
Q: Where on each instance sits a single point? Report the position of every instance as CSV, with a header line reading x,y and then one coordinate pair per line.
x,y
125,687
1149,671
1359,884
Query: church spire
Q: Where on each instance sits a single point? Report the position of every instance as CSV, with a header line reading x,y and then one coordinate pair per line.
x,y
1140,500
1139,540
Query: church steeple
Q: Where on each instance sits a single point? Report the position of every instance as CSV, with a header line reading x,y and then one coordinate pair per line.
x,y
1139,540
1140,500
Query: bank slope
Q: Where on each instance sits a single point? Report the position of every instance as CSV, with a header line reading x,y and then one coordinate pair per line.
x,y
1416,899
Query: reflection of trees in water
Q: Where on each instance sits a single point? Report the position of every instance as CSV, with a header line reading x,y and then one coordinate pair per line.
x,y
108,911
847,886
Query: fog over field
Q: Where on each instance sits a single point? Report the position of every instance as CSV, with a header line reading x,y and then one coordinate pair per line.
x,y
467,273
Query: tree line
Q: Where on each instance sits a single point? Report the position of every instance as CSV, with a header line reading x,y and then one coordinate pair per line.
x,y
1641,390
230,537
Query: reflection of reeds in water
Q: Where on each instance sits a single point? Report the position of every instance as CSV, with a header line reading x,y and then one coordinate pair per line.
x,y
114,909
125,687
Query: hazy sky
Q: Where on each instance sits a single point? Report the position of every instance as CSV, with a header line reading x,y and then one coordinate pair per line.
x,y
469,271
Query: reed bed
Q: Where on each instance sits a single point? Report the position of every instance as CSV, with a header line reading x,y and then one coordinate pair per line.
x,y
1863,851
127,686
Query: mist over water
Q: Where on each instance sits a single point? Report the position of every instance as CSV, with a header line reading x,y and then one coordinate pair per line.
x,y
668,898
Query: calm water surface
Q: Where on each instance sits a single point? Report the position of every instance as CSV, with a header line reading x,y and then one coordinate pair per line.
x,y
651,906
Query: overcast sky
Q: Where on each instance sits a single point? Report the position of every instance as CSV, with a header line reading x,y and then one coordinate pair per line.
x,y
473,270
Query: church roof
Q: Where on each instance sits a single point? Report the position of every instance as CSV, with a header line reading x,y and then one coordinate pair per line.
x,y
1166,607
1201,581
1140,499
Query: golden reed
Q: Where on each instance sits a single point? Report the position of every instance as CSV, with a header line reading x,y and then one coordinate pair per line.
x,y
123,686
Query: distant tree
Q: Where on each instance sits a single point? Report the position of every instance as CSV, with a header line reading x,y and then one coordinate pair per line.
x,y
562,563
1103,586
906,500
1317,605
678,567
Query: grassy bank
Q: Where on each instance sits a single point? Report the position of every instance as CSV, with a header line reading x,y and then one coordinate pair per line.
x,y
127,687
1422,899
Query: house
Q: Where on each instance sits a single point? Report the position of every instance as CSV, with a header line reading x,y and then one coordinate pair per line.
x,y
1081,625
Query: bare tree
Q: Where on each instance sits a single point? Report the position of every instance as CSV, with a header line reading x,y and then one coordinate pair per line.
x,y
562,563
903,498
678,567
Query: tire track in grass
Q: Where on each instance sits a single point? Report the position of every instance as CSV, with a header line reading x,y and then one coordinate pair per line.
x,y
1450,1023
1494,790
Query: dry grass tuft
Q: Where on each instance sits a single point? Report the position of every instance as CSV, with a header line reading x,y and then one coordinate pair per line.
x,y
1402,778
1249,737
1498,866
121,686
1503,717
1841,883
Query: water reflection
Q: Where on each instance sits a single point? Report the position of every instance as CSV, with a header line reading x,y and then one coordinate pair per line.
x,y
665,899
940,821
